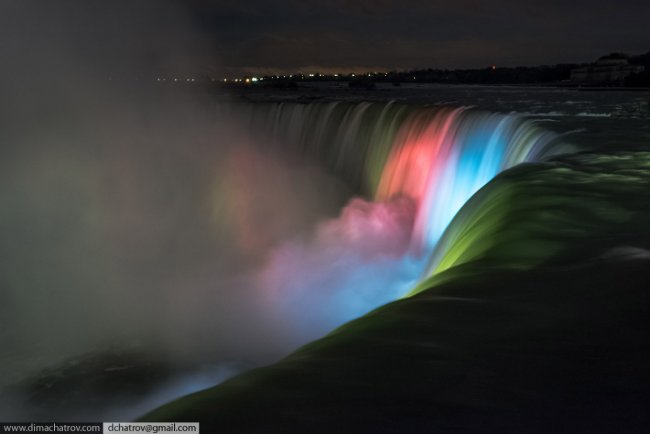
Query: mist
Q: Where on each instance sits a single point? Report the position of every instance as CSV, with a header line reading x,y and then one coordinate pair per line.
x,y
134,215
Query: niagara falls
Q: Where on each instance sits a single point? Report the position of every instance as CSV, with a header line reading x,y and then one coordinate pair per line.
x,y
345,217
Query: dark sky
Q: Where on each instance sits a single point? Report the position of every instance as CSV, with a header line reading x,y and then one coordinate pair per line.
x,y
386,34
271,35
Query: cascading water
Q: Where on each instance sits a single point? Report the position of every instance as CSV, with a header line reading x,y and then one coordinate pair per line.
x,y
414,167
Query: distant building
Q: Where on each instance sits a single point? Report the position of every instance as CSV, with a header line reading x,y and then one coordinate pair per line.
x,y
610,69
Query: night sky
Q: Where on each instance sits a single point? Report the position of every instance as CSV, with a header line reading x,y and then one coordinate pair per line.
x,y
233,37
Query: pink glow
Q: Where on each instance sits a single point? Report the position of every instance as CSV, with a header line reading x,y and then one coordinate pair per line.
x,y
417,161
340,269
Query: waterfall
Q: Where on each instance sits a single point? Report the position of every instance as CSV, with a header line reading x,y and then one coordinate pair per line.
x,y
413,168
437,157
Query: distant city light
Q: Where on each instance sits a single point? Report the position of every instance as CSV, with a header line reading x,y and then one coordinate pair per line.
x,y
254,79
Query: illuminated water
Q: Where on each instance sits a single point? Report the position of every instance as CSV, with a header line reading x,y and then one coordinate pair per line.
x,y
414,167
245,233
